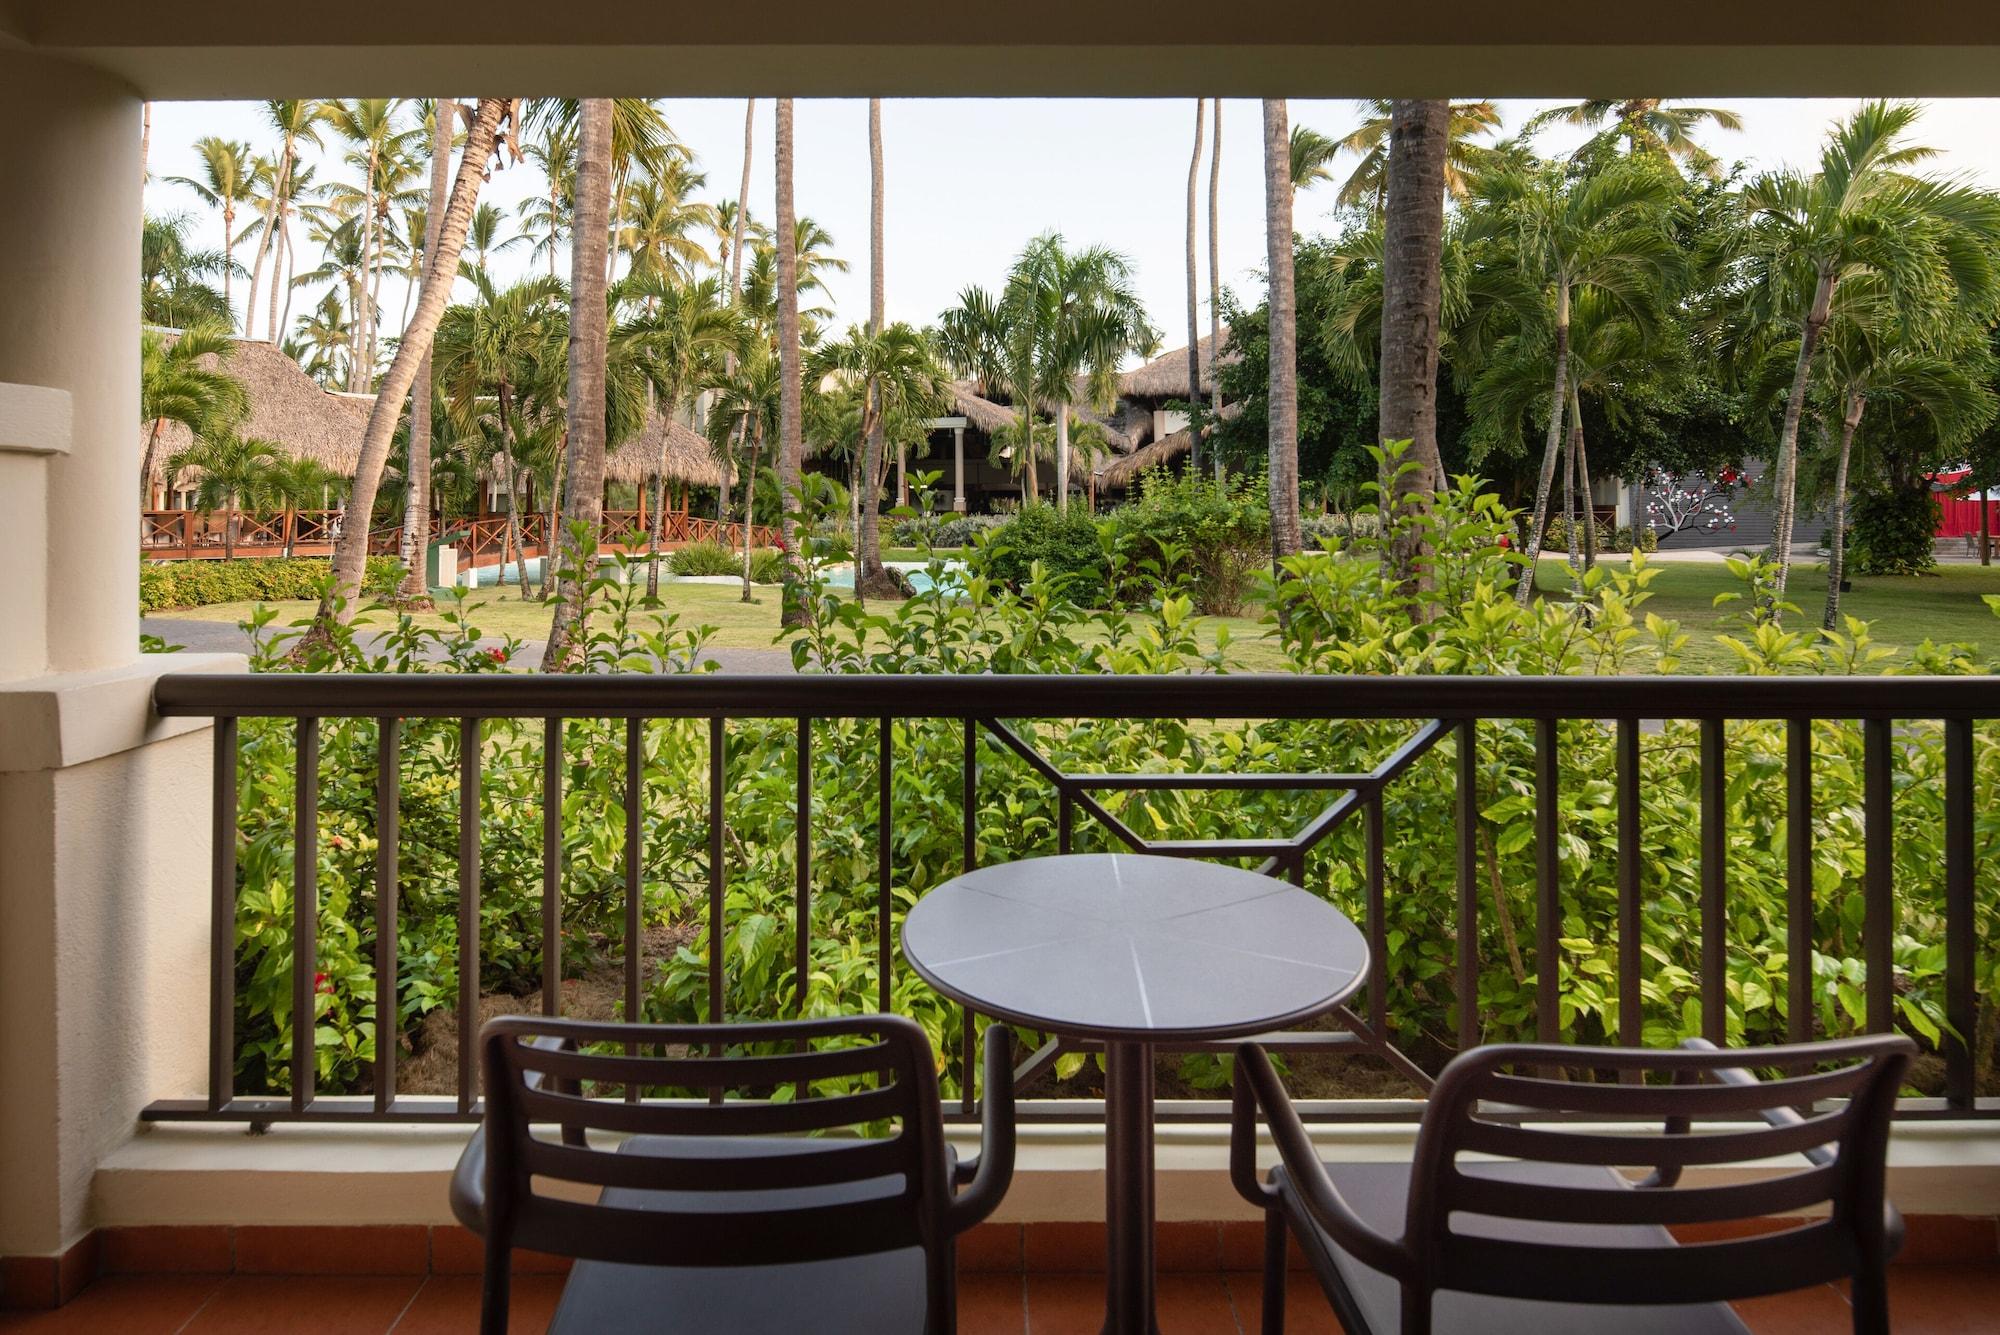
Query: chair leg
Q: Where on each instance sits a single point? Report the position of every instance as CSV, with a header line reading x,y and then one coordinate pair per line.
x,y
1274,1273
494,1287
1416,1310
1868,1292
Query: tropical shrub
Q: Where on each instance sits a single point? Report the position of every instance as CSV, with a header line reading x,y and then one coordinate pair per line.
x,y
1065,543
706,558
1345,613
1893,531
943,530
1219,532
164,585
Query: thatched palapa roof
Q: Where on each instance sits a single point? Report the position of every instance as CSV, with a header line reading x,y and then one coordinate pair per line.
x,y
689,457
287,407
1166,376
982,413
1120,473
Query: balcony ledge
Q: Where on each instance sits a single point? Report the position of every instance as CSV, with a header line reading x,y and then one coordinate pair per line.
x,y
65,719
297,1174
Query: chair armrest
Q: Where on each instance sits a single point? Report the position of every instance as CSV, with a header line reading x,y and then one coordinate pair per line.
x,y
986,1178
468,1184
1737,1075
1257,1087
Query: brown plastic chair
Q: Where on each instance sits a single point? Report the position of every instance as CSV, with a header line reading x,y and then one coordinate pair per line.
x,y
729,1214
1544,1235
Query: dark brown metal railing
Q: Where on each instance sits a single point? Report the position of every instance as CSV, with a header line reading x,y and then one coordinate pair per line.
x,y
1440,706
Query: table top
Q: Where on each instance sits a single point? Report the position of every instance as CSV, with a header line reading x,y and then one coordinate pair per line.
x,y
1132,946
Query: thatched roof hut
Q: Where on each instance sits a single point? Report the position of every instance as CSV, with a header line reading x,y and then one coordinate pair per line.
x,y
689,457
1120,473
982,413
1166,376
287,407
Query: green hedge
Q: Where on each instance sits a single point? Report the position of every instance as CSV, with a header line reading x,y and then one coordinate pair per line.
x,y
169,584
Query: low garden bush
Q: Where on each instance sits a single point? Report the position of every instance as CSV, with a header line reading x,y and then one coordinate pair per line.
x,y
1892,531
1218,533
164,585
706,558
1066,545
943,530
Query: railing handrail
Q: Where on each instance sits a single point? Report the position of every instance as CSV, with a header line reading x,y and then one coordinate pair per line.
x,y
976,696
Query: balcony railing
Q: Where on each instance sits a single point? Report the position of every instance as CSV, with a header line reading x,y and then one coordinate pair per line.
x,y
992,716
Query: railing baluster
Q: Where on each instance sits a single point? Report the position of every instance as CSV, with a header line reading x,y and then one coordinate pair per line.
x,y
222,920
1468,884
1714,883
1630,1031
802,859
969,779
468,913
388,892
884,891
305,911
635,894
1378,926
1878,926
1798,880
717,754
552,865
1548,903
1960,1003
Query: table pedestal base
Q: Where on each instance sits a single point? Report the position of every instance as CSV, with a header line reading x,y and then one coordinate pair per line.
x,y
1128,1189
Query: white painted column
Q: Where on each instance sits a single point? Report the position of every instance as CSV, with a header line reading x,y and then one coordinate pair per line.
x,y
103,806
69,320
958,468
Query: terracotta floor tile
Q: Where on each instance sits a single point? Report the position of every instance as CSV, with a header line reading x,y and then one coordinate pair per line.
x,y
990,1247
992,1304
1944,1299
1064,1248
192,1249
1810,1311
1307,1311
1197,1304
1183,1245
323,1304
449,1305
126,1304
1065,1304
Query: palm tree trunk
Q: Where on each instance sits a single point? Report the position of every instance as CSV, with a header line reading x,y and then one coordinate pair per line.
x,y
278,261
750,504
791,441
655,522
1033,475
146,464
228,258
1539,519
1412,300
742,203
588,345
1215,273
278,184
1062,455
357,337
1985,528
145,142
1786,484
870,578
551,549
417,492
291,277
1283,396
1836,564
1569,485
229,530
1194,295
1589,515
351,553
515,535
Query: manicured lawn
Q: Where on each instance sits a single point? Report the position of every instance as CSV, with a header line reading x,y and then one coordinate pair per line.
x,y
1944,606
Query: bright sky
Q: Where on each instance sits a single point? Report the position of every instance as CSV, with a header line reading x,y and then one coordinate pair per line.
x,y
969,181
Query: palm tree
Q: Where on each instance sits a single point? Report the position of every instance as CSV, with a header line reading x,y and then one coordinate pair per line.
x,y
417,468
551,217
234,470
1647,125
295,119
791,439
662,223
588,352
1194,297
320,347
484,241
226,181
351,553
899,377
688,331
746,412
1412,303
1312,157
382,150
1368,183
297,483
1861,212
1215,270
991,341
869,575
1870,354
1283,404
177,383
173,276
1607,231
1084,316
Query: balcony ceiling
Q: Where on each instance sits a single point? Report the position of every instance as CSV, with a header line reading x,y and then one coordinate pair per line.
x,y
1301,48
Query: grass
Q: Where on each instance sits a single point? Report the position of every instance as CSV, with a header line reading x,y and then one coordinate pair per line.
x,y
1903,611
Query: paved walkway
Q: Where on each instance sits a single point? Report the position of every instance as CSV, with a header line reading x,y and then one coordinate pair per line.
x,y
226,637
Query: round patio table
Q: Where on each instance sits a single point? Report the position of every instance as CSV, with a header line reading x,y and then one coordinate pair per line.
x,y
1134,951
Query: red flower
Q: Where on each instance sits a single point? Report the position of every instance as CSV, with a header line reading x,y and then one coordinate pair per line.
x,y
1506,543
499,656
322,983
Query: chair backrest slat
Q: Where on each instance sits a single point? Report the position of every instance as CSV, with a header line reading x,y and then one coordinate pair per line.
x,y
1550,1215
766,1180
